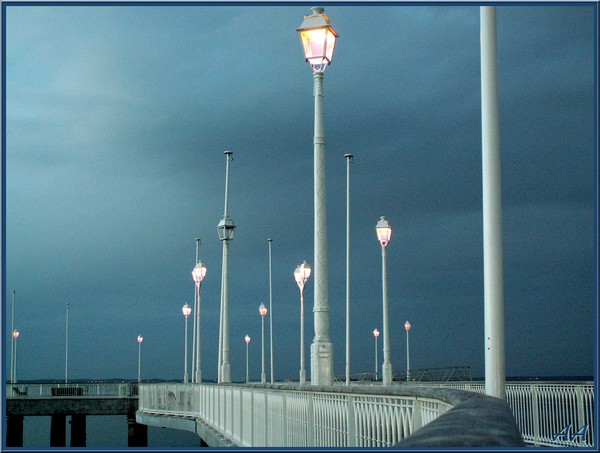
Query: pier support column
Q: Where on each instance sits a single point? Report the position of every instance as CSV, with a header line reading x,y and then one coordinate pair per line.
x,y
137,434
58,425
78,430
14,430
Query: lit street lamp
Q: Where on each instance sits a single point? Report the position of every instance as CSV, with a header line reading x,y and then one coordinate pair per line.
x,y
407,327
139,340
15,336
198,274
302,274
376,335
263,312
384,234
318,40
225,229
187,310
247,340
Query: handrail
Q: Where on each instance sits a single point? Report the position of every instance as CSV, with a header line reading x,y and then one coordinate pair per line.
x,y
71,390
284,415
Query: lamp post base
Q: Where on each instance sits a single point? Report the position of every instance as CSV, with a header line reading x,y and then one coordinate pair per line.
x,y
302,377
225,374
198,377
386,371
321,361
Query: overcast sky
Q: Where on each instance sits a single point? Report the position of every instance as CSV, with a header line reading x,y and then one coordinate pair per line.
x,y
117,118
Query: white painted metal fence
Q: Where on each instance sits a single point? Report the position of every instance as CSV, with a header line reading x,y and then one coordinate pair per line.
x,y
91,390
251,416
546,413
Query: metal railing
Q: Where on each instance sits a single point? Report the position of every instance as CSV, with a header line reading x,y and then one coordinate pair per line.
x,y
71,390
253,416
547,413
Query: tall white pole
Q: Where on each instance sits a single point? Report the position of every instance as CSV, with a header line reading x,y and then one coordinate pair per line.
x,y
321,351
247,344
302,363
386,367
139,359
376,360
349,160
195,324
198,377
67,344
16,341
12,339
407,358
224,374
492,210
185,363
263,377
271,309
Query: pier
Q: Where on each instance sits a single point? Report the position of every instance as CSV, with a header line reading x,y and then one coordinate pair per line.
x,y
75,400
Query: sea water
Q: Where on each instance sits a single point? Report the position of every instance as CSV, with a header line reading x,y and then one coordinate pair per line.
x,y
105,431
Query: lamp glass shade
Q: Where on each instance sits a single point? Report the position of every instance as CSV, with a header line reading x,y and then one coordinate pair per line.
x,y
318,39
140,339
384,231
376,333
199,272
318,44
15,334
262,310
225,228
247,339
407,326
187,310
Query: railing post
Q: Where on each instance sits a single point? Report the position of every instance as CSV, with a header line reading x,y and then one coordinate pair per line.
x,y
310,441
417,417
580,411
267,430
351,423
285,425
535,414
252,418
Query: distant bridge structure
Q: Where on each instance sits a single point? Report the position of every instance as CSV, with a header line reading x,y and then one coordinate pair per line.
x,y
77,400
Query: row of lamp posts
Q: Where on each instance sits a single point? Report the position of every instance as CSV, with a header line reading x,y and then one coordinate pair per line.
x,y
318,40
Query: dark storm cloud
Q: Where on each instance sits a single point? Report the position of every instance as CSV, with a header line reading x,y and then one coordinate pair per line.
x,y
117,119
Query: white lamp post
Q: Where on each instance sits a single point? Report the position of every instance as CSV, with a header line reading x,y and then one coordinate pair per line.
x,y
384,234
67,344
187,310
12,340
407,327
493,273
198,274
247,340
139,340
270,241
349,160
196,321
318,40
15,336
302,274
376,335
225,229
263,312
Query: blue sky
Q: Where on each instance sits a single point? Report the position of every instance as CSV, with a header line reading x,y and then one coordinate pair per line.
x,y
117,117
